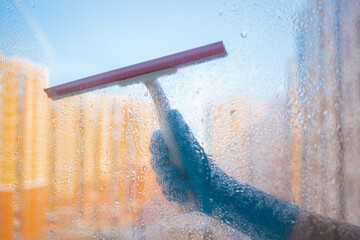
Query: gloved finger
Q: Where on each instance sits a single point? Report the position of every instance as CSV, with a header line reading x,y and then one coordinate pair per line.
x,y
171,180
194,158
173,196
165,169
174,184
181,183
157,145
158,162
175,189
169,176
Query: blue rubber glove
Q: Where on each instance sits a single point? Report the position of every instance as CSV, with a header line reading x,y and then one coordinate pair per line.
x,y
246,208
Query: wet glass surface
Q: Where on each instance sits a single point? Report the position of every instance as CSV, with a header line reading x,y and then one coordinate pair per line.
x,y
280,112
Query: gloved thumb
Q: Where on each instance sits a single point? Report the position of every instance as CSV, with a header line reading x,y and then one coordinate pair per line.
x,y
192,153
195,161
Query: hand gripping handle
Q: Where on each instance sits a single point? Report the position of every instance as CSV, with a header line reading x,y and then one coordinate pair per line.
x,y
163,109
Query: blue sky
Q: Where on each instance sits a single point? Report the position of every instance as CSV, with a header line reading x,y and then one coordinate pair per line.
x,y
81,38
87,37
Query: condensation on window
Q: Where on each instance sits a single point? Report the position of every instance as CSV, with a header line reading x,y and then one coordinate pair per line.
x,y
280,112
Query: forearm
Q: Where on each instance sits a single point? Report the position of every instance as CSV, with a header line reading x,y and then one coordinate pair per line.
x,y
249,209
263,216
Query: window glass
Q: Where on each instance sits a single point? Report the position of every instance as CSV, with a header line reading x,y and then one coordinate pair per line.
x,y
279,112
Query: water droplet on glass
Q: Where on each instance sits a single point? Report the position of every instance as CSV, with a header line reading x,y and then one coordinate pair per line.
x,y
117,202
144,168
146,93
324,113
305,99
80,213
233,113
243,34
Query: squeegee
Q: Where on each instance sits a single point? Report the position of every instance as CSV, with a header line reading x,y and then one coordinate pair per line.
x,y
146,72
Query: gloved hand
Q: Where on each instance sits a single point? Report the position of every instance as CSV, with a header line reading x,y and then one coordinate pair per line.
x,y
242,206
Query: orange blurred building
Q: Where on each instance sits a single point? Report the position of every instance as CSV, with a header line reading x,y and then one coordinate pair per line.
x,y
24,149
74,167
248,138
99,164
325,122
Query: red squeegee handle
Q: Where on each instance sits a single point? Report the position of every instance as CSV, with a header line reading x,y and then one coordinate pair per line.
x,y
171,61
